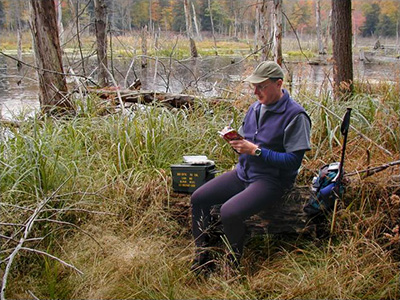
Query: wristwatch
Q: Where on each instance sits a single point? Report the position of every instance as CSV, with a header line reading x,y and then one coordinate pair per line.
x,y
257,152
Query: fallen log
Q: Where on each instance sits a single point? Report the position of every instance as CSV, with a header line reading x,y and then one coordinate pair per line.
x,y
286,219
150,97
9,123
145,97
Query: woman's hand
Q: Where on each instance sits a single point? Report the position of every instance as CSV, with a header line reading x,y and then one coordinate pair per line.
x,y
243,146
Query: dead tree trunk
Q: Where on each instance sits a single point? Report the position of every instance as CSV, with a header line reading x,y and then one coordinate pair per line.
x,y
75,9
144,46
188,19
196,24
19,34
277,18
212,27
150,18
59,21
193,48
327,35
189,30
397,38
257,27
101,38
52,82
264,25
318,23
342,49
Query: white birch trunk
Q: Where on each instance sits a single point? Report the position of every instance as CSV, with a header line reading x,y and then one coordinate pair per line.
x,y
196,25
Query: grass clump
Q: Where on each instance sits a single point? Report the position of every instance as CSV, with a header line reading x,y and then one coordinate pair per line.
x,y
109,210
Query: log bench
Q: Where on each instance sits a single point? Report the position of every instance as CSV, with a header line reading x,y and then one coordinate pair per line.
x,y
287,220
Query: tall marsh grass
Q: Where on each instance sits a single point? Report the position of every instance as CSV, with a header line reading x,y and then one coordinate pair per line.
x,y
111,212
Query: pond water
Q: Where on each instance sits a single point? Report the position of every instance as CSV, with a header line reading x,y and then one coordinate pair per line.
x,y
211,77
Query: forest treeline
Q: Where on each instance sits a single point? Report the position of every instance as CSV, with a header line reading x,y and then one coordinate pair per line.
x,y
230,17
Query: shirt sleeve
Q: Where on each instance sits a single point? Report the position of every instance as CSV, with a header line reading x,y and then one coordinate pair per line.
x,y
290,161
297,134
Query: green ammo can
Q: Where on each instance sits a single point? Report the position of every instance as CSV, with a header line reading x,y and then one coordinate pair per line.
x,y
186,177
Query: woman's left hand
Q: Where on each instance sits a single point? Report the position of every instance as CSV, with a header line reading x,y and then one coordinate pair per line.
x,y
243,146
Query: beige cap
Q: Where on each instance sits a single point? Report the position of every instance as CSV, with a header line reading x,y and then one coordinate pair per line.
x,y
264,71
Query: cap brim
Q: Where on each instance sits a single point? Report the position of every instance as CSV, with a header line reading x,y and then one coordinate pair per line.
x,y
255,79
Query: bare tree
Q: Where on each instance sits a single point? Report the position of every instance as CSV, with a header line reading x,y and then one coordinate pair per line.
x,y
52,82
212,27
75,6
196,25
277,38
189,30
342,48
264,25
327,36
188,19
144,46
19,32
257,27
150,17
397,37
59,21
235,11
101,39
318,24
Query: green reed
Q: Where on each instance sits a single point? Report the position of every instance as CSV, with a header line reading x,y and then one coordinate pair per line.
x,y
111,173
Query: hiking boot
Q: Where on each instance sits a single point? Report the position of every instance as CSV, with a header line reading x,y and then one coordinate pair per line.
x,y
202,264
231,269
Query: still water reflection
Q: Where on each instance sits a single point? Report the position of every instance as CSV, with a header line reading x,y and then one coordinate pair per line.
x,y
210,77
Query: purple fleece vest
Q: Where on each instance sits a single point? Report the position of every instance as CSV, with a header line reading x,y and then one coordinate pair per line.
x,y
268,135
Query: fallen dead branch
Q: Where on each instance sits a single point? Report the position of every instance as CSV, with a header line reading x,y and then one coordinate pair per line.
x,y
25,237
9,123
149,97
371,171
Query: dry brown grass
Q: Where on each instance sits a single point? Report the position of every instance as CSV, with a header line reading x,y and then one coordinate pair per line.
x,y
142,247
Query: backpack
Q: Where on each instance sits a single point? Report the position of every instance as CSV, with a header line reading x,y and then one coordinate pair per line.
x,y
328,185
326,188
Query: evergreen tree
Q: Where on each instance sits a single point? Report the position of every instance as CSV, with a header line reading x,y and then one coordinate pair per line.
x,y
140,13
371,13
204,15
386,26
219,13
178,23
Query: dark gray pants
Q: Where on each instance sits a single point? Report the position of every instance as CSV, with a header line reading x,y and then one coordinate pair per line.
x,y
239,201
